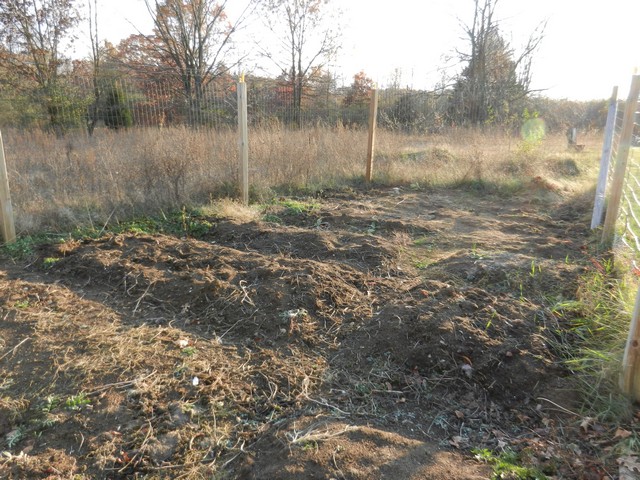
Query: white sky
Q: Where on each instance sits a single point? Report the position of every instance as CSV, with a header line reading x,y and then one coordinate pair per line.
x,y
589,46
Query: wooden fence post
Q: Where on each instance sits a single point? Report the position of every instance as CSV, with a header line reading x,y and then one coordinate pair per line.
x,y
630,377
605,161
243,139
621,163
373,116
7,227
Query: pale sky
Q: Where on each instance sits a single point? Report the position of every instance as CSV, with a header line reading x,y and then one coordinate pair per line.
x,y
588,48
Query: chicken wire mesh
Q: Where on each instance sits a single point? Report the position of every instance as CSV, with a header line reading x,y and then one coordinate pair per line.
x,y
84,103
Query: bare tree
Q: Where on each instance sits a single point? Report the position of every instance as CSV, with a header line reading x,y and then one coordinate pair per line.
x,y
495,78
96,58
307,39
32,33
193,38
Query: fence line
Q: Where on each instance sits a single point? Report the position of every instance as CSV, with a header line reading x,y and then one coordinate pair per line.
x,y
623,210
162,102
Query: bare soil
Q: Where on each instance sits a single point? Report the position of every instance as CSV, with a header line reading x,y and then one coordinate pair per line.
x,y
377,334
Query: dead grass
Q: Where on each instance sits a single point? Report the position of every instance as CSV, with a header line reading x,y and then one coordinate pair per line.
x,y
232,209
60,184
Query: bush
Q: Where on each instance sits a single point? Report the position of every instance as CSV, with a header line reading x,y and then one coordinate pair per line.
x,y
117,114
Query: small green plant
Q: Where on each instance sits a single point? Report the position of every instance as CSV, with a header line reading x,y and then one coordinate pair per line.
x,y
422,264
494,314
50,262
475,252
295,207
139,226
19,249
271,218
22,304
423,241
76,402
309,446
189,351
535,269
51,403
371,229
23,246
193,225
363,389
507,465
627,446
14,437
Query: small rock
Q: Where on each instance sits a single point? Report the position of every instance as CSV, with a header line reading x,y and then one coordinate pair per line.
x,y
177,415
467,306
162,448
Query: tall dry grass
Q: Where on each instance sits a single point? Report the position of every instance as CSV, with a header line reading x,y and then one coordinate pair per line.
x,y
61,183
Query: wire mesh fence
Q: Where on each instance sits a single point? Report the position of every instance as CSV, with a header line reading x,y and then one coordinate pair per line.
x,y
630,206
622,221
627,233
84,103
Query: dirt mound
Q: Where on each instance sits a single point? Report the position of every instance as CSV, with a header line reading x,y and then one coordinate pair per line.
x,y
257,293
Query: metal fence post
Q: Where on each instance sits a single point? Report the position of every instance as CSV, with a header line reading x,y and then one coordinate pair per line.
x,y
605,161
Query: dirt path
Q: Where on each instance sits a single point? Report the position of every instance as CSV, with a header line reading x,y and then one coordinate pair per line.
x,y
369,335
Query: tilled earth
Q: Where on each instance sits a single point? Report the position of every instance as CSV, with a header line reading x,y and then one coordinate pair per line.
x,y
370,334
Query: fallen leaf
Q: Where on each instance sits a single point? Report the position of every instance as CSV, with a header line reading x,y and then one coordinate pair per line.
x,y
586,423
456,441
631,463
622,434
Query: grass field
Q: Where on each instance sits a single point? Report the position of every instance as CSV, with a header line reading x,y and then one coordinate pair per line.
x,y
61,183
